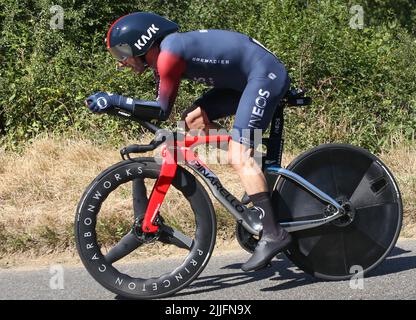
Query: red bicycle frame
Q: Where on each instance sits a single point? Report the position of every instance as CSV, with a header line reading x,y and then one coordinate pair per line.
x,y
170,152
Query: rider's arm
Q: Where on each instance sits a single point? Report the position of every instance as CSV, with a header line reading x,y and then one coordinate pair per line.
x,y
147,110
170,68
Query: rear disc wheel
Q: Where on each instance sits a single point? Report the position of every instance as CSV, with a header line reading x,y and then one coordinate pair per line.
x,y
362,238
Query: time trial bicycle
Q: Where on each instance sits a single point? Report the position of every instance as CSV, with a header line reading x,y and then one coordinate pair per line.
x,y
341,204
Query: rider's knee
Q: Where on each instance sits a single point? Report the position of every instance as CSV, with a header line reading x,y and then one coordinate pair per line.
x,y
196,118
186,112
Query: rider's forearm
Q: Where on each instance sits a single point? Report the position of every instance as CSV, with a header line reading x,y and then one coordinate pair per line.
x,y
147,110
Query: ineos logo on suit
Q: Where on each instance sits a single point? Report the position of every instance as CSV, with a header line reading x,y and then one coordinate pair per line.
x,y
258,110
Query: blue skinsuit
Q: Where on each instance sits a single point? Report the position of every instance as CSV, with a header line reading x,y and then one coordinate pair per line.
x,y
247,79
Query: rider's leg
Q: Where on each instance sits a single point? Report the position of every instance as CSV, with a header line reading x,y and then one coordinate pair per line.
x,y
240,157
262,95
215,104
197,119
218,103
274,238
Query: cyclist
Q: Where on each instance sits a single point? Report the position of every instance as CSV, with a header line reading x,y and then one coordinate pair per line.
x,y
247,80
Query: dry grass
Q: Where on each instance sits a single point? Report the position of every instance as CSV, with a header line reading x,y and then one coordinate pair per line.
x,y
40,189
401,161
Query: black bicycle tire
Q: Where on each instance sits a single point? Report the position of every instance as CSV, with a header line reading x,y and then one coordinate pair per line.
x,y
200,203
295,258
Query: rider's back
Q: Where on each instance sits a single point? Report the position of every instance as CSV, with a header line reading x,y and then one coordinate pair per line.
x,y
218,58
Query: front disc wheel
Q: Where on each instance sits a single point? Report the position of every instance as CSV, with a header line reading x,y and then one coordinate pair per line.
x,y
109,236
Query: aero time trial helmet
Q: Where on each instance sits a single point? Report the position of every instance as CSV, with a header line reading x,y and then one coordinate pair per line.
x,y
133,35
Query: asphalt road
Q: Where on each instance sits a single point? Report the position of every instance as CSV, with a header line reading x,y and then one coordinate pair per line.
x,y
395,278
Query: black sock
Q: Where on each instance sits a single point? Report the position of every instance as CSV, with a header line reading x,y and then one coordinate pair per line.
x,y
259,197
270,226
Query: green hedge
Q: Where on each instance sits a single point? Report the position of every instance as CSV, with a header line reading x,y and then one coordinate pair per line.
x,y
362,80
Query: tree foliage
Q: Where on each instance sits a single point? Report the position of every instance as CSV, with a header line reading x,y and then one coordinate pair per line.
x,y
362,80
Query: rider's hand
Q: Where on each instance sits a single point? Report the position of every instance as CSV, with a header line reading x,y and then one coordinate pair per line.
x,y
100,102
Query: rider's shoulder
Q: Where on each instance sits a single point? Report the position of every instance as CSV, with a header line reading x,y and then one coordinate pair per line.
x,y
172,37
172,42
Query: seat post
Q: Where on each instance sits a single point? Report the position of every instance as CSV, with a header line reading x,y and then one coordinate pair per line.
x,y
276,139
274,145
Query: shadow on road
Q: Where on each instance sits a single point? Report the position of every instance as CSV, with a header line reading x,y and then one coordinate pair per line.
x,y
283,270
281,267
395,263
